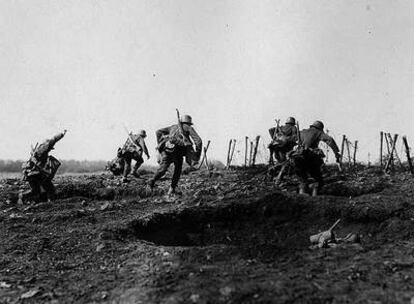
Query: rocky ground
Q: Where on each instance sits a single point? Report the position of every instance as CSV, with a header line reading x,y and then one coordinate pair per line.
x,y
232,237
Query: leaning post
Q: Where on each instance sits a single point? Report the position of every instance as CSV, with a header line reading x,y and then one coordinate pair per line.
x,y
255,149
407,152
355,151
228,154
343,147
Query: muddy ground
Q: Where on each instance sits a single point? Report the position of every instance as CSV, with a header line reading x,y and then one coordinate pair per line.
x,y
233,237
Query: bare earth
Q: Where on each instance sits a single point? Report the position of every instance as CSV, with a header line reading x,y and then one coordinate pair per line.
x,y
233,237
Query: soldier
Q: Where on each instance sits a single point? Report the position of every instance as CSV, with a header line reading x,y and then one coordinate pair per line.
x,y
173,145
283,140
308,159
132,150
40,169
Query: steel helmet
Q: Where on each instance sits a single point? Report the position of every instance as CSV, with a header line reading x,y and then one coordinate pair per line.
x,y
318,125
142,133
187,119
290,121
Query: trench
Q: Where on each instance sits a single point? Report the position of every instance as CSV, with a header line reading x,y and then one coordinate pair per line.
x,y
276,220
269,220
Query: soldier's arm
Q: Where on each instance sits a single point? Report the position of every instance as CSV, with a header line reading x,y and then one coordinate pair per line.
x,y
272,132
144,146
330,142
162,132
48,145
292,135
196,139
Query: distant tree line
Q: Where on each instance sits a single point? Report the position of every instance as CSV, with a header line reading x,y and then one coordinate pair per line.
x,y
68,166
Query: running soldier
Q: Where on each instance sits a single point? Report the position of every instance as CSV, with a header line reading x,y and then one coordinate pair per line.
x,y
174,143
132,150
308,159
283,140
39,171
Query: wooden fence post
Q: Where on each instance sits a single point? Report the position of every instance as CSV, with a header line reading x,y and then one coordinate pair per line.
x,y
245,151
407,152
251,153
355,151
381,147
349,152
228,154
255,149
391,153
232,151
343,147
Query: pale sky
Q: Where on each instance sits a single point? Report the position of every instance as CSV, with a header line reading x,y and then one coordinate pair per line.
x,y
235,66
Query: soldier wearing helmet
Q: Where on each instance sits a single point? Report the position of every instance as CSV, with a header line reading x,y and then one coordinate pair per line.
x,y
132,150
308,159
175,143
283,140
40,170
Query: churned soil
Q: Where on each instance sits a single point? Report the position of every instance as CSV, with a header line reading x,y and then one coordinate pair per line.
x,y
232,237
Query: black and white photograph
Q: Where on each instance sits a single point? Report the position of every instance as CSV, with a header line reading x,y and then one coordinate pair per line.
x,y
203,152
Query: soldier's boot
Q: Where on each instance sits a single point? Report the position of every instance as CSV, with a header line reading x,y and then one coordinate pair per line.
x,y
125,179
20,198
314,187
135,174
302,189
151,183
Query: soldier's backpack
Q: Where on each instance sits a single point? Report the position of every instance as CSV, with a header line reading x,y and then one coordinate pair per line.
x,y
51,167
177,138
47,172
279,141
116,166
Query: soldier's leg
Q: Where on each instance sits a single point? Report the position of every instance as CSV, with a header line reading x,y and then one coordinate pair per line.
x,y
270,156
165,162
301,172
178,165
50,189
315,166
127,166
278,155
34,192
138,162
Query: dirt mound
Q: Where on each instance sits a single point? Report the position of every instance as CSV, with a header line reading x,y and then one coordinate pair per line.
x,y
233,237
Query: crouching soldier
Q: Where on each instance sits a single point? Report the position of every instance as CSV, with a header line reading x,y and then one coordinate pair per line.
x,y
283,140
174,143
40,169
132,150
308,159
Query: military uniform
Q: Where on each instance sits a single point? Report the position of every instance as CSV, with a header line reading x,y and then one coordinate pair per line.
x,y
132,150
173,147
308,159
283,140
40,169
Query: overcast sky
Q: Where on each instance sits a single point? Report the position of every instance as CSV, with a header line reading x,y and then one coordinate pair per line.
x,y
235,66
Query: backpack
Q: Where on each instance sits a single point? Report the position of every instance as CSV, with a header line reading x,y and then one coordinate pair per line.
x,y
116,166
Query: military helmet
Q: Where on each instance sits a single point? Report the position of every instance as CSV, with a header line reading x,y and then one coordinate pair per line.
x,y
187,119
290,121
318,125
142,133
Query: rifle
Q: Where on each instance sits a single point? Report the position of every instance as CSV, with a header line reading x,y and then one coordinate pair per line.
x,y
180,127
132,140
298,134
